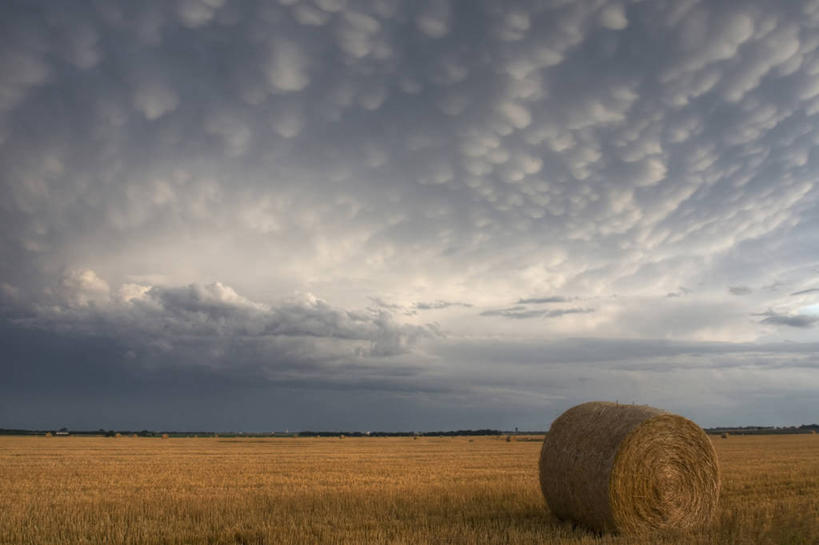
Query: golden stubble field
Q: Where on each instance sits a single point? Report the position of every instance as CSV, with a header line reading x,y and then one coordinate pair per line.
x,y
356,490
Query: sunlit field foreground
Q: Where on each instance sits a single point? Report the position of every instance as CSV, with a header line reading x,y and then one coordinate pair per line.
x,y
364,490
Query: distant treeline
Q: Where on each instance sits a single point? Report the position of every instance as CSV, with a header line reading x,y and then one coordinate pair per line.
x,y
398,433
765,430
745,430
150,433
113,433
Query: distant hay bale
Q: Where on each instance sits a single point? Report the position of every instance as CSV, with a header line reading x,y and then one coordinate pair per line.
x,y
725,435
134,435
117,435
164,436
509,439
629,469
48,434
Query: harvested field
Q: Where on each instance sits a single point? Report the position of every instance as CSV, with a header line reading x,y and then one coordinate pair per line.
x,y
360,490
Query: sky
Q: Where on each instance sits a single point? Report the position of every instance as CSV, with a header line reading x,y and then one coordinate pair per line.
x,y
394,215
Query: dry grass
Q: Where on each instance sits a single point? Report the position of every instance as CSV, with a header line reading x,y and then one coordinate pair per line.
x,y
360,490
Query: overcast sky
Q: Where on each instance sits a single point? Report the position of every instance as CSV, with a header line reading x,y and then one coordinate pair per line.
x,y
395,215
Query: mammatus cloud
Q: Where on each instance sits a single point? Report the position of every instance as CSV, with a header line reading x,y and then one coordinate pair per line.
x,y
613,17
196,13
286,69
433,19
408,162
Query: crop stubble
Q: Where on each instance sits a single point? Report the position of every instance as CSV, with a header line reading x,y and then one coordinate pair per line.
x,y
361,490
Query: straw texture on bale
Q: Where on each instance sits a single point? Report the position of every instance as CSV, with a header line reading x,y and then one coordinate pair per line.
x,y
629,469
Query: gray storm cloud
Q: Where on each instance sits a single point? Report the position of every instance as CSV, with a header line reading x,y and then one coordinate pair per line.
x,y
439,173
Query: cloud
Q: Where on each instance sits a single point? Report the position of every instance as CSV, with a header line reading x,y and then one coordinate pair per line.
x,y
515,114
19,71
196,13
426,155
201,324
433,20
613,17
308,15
702,47
438,305
356,34
286,67
543,300
681,291
527,381
522,313
155,99
288,124
740,290
82,287
235,134
805,292
801,321
81,48
216,309
514,25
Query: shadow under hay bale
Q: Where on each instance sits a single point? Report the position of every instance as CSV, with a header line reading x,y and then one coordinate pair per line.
x,y
629,469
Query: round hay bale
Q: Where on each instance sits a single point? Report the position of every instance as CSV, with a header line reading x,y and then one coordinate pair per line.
x,y
629,469
725,435
164,436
